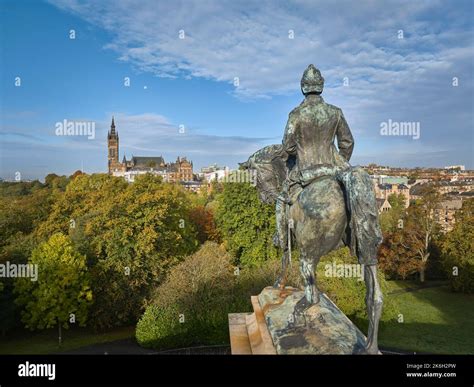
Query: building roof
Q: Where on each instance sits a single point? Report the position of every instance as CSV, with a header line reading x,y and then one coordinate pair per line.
x,y
146,161
381,202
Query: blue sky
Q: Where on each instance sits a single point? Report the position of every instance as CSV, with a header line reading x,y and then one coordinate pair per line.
x,y
390,60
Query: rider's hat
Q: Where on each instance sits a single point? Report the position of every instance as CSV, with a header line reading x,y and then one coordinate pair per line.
x,y
312,81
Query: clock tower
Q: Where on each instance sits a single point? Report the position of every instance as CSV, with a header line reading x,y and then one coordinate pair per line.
x,y
113,149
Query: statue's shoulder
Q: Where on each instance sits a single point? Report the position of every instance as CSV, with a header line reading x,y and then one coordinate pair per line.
x,y
295,111
335,109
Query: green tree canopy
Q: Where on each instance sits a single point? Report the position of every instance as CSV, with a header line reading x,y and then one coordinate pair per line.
x,y
246,224
458,250
62,287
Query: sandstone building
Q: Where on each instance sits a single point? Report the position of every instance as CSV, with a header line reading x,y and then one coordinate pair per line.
x,y
179,171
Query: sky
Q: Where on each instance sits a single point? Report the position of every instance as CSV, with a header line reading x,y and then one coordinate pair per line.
x,y
215,80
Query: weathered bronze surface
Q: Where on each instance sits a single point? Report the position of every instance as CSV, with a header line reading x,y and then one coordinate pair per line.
x,y
321,201
321,329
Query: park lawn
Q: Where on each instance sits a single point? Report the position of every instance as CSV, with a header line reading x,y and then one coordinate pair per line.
x,y
435,320
46,342
395,286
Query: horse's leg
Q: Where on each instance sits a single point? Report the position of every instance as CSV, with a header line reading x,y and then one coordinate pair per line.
x,y
281,280
307,271
311,292
282,233
374,301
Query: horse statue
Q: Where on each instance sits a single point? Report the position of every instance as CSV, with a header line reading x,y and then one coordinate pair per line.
x,y
322,203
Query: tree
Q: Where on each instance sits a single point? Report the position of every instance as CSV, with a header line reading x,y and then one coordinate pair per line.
x,y
392,220
132,234
396,257
75,174
397,201
246,224
421,226
409,235
458,250
61,294
203,218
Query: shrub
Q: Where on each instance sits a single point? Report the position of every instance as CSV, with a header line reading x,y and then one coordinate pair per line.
x,y
191,306
205,288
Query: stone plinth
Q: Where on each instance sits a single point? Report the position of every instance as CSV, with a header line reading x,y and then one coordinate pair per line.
x,y
274,329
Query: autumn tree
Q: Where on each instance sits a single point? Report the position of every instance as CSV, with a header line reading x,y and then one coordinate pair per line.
x,y
203,218
396,257
458,250
131,233
421,226
61,294
409,236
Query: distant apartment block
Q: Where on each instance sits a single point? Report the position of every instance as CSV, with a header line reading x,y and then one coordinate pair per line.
x,y
456,167
383,191
445,214
214,173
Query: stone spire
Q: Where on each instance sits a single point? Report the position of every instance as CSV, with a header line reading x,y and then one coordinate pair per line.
x,y
112,126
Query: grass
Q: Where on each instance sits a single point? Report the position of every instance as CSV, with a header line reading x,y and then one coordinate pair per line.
x,y
435,320
46,342
396,286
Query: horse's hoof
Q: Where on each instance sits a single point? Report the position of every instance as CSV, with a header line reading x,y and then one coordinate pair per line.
x,y
279,284
301,306
372,350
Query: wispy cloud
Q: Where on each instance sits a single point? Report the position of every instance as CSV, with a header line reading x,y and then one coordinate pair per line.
x,y
266,43
138,132
146,134
381,60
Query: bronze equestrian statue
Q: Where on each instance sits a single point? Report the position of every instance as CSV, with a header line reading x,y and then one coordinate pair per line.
x,y
321,201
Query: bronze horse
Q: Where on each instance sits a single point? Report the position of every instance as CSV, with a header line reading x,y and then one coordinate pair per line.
x,y
319,222
332,203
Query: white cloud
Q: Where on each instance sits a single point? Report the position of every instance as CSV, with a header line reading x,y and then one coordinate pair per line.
x,y
405,79
250,40
146,134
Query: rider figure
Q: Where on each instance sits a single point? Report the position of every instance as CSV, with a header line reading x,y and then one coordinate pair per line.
x,y
310,133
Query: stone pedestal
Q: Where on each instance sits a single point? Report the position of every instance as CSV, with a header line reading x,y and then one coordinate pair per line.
x,y
273,329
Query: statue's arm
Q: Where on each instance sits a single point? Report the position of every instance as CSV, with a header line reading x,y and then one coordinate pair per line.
x,y
345,141
289,138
